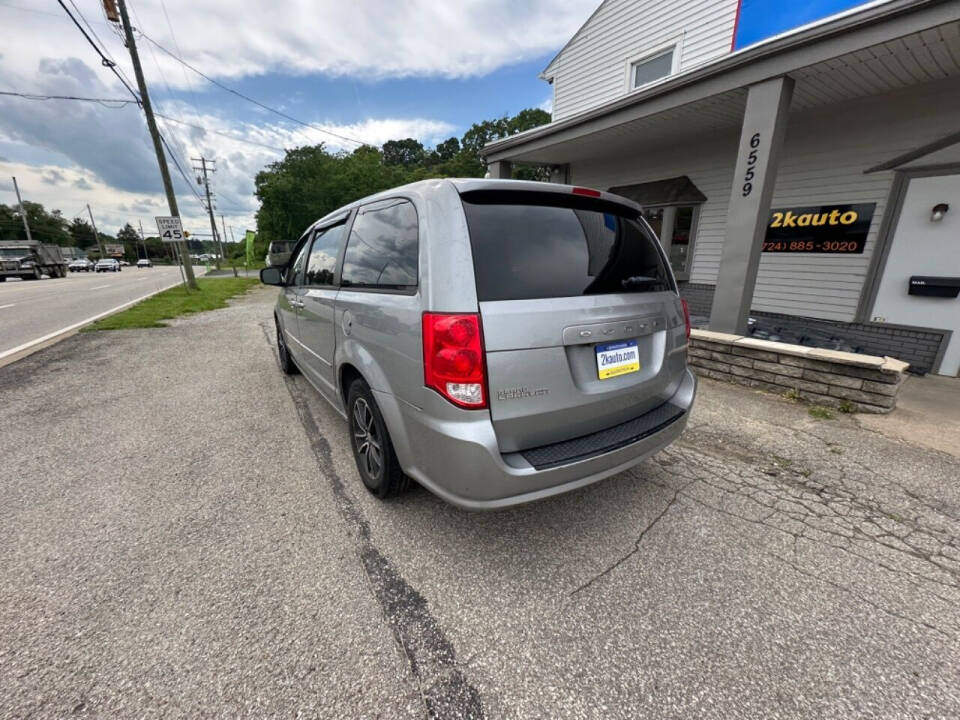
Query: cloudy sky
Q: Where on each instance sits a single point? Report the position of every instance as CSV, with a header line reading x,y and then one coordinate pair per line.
x,y
369,70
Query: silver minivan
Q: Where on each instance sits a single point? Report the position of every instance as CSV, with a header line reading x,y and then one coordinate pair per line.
x,y
497,341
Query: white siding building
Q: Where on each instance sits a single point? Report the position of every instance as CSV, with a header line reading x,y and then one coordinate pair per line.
x,y
651,100
595,65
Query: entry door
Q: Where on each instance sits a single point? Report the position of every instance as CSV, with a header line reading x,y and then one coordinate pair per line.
x,y
316,314
924,246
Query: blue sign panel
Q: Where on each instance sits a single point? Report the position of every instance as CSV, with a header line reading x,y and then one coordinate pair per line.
x,y
760,19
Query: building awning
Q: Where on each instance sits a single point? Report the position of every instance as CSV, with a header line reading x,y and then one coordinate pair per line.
x,y
881,48
672,191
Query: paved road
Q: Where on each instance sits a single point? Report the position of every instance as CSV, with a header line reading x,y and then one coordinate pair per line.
x,y
168,558
33,309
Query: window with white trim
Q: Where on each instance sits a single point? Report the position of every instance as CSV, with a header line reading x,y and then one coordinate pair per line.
x,y
643,72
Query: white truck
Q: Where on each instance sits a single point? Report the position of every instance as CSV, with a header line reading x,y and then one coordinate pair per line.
x,y
30,260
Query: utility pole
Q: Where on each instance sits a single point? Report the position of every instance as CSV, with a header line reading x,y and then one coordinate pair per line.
x,y
146,255
152,127
233,240
176,255
23,213
223,223
96,235
206,186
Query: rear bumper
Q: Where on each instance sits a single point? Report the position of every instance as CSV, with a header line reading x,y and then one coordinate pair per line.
x,y
460,461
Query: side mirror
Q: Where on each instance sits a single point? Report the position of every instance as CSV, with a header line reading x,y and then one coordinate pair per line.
x,y
271,276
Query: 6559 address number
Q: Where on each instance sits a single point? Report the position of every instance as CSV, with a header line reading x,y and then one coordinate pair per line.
x,y
752,159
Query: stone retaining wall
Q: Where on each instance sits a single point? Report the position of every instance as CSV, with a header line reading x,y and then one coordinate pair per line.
x,y
862,383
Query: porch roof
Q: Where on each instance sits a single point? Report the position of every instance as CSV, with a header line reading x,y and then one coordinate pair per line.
x,y
882,48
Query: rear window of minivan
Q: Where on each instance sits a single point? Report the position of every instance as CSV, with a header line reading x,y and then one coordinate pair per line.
x,y
529,245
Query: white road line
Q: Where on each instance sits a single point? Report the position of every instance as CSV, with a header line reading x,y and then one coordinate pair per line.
x,y
99,287
69,328
6,306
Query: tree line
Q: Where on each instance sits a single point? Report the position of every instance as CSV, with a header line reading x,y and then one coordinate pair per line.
x,y
50,226
303,186
310,182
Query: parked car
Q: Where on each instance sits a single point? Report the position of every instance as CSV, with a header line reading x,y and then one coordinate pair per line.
x,y
107,265
124,263
497,341
80,265
278,253
144,263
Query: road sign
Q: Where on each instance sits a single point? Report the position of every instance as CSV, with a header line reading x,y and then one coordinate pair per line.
x,y
171,230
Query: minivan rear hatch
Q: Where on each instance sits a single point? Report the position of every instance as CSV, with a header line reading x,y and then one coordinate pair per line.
x,y
579,312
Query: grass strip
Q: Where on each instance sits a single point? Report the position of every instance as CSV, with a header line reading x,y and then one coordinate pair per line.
x,y
212,294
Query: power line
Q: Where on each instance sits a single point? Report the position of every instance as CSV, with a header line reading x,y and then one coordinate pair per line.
x,y
247,97
93,32
106,62
218,132
180,169
154,56
118,103
163,77
30,10
180,119
173,37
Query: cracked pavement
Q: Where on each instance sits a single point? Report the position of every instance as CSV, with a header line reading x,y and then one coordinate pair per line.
x,y
197,542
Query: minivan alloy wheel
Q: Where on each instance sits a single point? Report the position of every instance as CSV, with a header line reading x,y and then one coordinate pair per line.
x,y
286,362
372,450
368,443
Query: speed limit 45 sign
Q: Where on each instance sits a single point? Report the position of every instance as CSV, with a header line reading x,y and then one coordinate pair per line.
x,y
170,229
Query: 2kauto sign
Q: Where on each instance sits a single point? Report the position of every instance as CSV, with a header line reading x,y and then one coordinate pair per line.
x,y
819,229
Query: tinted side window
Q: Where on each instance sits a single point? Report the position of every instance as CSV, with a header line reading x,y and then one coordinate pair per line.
x,y
295,269
384,246
526,246
323,256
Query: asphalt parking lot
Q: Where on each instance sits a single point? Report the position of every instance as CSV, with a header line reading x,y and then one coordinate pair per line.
x,y
197,542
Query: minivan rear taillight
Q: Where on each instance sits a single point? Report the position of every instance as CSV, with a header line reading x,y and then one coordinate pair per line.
x,y
686,316
453,362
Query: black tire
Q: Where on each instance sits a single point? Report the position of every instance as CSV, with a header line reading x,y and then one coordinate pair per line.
x,y
372,449
287,365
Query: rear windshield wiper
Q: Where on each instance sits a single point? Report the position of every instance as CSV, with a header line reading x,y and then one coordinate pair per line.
x,y
641,282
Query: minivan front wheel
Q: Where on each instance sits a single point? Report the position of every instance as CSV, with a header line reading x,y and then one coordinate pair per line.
x,y
286,362
372,450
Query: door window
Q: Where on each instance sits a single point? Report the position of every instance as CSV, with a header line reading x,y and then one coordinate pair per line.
x,y
323,256
295,271
383,248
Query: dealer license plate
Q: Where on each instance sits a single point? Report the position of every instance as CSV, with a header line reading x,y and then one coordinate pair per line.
x,y
619,358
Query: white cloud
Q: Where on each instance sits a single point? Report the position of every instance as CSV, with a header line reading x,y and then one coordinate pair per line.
x,y
367,39
87,153
120,179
